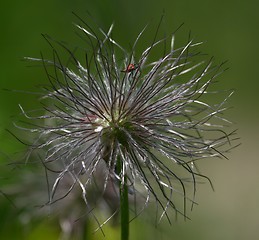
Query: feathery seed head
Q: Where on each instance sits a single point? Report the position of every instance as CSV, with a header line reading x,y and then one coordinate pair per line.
x,y
147,120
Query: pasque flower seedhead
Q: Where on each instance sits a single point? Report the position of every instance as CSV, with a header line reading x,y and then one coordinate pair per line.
x,y
146,120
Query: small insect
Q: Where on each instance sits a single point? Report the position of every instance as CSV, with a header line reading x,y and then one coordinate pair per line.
x,y
131,67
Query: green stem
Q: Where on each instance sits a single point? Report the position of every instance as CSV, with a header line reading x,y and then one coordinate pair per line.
x,y
124,207
124,201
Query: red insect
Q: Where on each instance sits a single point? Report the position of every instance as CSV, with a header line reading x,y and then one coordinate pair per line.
x,y
131,67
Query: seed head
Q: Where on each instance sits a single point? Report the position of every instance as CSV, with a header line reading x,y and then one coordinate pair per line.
x,y
148,120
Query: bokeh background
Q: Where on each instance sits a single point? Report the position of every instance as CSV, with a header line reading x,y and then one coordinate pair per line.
x,y
230,30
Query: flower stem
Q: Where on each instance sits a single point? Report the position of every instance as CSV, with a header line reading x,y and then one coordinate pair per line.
x,y
124,203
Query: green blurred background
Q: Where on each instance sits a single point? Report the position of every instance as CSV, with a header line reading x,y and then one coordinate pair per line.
x,y
230,31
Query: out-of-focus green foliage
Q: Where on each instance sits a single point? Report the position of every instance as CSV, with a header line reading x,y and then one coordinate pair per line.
x,y
230,32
